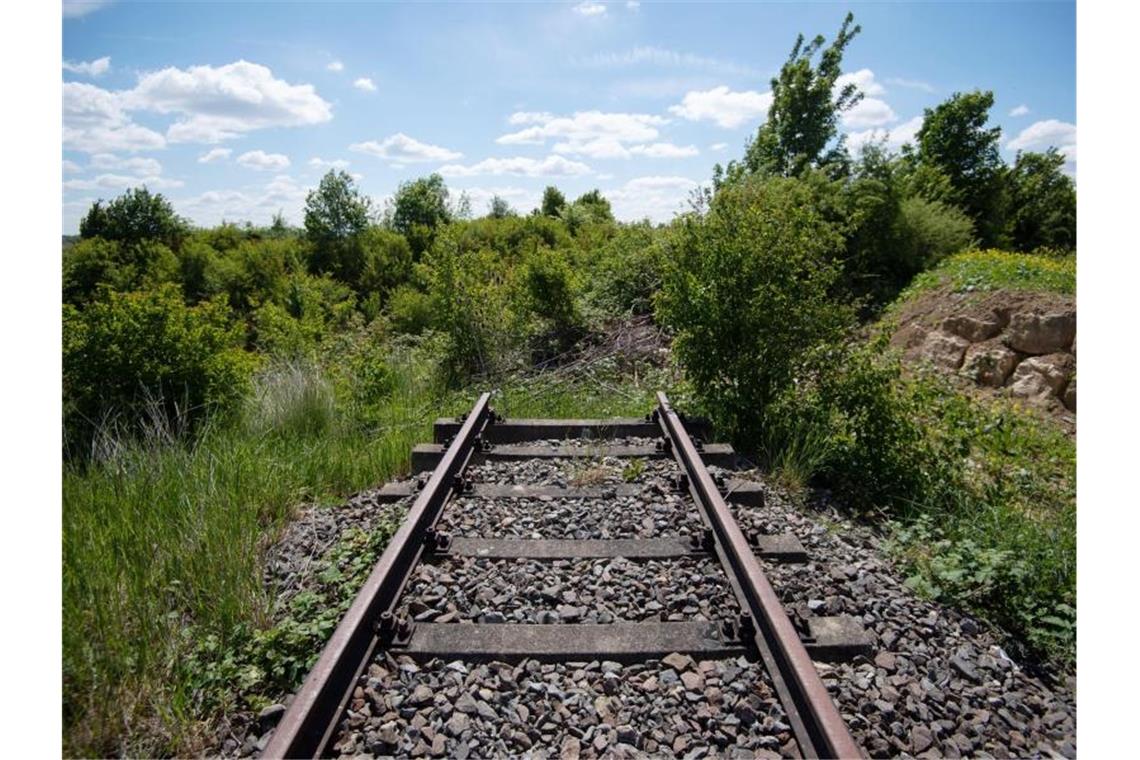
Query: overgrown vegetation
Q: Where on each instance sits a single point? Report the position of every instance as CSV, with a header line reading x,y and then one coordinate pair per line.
x,y
216,379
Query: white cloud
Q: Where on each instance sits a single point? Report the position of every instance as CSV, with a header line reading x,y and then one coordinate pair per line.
x,y
913,84
140,167
1043,134
214,154
96,68
219,103
871,111
1050,133
94,121
633,5
718,146
70,167
657,198
723,106
364,83
590,8
121,182
864,81
650,55
551,166
664,150
77,8
319,163
586,133
256,203
259,160
402,149
895,138
1020,110
335,66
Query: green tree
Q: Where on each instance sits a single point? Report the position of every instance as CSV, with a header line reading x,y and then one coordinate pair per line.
x,y
336,210
954,138
553,201
1042,202
133,217
138,356
595,205
805,109
500,209
421,202
747,288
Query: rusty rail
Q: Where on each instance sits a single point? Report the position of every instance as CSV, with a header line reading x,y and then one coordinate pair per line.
x,y
816,722
307,725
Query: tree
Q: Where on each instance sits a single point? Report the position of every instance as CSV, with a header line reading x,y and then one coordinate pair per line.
x,y
422,202
336,210
133,217
805,108
500,209
954,139
1042,202
553,201
596,205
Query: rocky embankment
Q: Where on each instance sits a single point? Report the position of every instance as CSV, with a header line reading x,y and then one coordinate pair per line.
x,y
1022,345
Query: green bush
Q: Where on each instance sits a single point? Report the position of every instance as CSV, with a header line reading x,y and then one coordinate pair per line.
x,y
747,288
125,355
410,310
929,231
549,292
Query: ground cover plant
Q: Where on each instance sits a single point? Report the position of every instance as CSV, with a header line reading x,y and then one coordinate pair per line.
x,y
216,380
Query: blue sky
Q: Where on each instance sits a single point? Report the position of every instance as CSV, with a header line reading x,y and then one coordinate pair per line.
x,y
235,110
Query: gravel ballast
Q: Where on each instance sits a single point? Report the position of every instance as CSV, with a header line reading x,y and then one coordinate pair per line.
x,y
937,684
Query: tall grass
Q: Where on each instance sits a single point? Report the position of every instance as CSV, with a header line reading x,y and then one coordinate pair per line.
x,y
161,533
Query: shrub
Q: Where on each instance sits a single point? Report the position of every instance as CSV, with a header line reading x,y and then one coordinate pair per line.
x,y
410,310
148,347
134,217
928,231
747,289
549,287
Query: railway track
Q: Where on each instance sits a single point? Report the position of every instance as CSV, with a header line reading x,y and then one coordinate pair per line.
x,y
677,589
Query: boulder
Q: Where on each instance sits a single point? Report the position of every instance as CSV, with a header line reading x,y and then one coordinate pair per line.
x,y
989,364
943,349
973,329
1037,333
1069,398
1042,376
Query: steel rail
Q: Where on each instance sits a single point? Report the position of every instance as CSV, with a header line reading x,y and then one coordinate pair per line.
x,y
816,722
308,724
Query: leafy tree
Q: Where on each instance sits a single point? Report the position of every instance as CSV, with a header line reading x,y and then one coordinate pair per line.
x,y
954,138
421,202
805,109
336,210
553,201
133,217
136,355
500,209
747,288
597,206
1042,202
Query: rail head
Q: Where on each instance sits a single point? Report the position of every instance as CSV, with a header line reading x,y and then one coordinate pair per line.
x,y
823,733
307,726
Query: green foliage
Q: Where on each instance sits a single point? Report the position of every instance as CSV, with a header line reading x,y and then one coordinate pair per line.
x,y
627,270
549,292
992,270
633,470
410,310
420,209
500,209
929,231
336,211
307,312
954,139
805,110
553,201
1042,202
133,217
595,206
135,352
747,290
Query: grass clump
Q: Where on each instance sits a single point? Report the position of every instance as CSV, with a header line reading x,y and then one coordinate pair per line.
x,y
993,270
